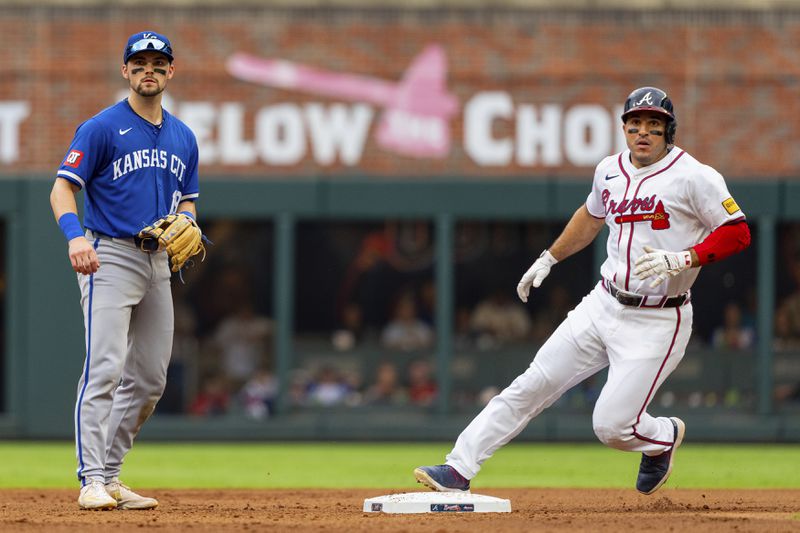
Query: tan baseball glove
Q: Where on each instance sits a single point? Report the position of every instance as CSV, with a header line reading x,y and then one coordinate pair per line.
x,y
178,234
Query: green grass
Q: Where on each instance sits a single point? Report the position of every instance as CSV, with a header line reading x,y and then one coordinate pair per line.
x,y
346,465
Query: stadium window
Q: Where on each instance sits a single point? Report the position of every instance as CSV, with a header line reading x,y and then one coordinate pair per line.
x,y
364,308
224,327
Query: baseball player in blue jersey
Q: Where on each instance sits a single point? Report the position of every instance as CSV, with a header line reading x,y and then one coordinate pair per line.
x,y
136,163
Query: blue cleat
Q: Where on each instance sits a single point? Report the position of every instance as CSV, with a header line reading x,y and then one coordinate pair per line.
x,y
654,471
441,478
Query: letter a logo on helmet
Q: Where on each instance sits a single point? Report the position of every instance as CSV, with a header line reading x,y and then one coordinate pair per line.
x,y
647,99
652,99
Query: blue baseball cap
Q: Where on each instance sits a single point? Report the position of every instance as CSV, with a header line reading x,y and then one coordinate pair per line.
x,y
147,41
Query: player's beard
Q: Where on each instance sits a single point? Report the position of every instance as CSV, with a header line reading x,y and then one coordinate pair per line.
x,y
150,91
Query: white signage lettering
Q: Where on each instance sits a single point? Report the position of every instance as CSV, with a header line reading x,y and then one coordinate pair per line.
x,y
479,116
539,134
201,118
12,114
616,126
338,129
587,138
496,132
233,148
282,134
279,130
548,135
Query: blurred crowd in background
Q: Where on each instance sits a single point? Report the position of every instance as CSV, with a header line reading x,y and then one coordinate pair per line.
x,y
364,329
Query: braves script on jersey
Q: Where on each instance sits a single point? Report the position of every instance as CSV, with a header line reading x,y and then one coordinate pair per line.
x,y
672,205
667,215
133,172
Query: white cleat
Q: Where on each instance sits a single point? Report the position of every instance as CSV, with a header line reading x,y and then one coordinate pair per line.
x,y
95,498
126,499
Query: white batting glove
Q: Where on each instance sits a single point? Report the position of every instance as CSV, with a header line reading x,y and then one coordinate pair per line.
x,y
535,274
661,264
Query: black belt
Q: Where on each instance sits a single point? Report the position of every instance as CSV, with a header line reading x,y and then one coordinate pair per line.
x,y
146,245
637,300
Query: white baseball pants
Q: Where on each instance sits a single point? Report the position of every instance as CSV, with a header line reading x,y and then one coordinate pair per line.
x,y
641,347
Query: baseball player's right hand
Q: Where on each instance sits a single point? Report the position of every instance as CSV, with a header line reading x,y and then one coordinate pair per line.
x,y
83,256
661,264
535,274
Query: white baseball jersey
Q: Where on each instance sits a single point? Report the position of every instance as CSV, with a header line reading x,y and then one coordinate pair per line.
x,y
672,204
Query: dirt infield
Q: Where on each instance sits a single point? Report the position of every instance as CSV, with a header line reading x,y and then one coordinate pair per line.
x,y
340,510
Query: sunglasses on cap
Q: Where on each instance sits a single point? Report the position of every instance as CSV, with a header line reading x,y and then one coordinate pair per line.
x,y
143,45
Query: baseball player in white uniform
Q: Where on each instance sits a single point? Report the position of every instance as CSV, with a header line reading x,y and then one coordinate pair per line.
x,y
668,214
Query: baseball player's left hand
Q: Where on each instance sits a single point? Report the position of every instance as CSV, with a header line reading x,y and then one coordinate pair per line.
x,y
535,275
661,264
179,235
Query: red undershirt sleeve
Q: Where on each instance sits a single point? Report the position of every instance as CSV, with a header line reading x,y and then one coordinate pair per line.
x,y
723,242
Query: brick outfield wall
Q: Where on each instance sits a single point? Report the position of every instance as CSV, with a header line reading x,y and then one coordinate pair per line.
x,y
735,79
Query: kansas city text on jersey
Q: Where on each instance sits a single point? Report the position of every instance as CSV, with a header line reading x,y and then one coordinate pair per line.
x,y
148,158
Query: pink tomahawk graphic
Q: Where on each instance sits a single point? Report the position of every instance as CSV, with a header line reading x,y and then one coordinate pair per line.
x,y
417,109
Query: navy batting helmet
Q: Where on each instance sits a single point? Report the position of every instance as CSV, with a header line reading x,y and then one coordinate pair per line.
x,y
652,99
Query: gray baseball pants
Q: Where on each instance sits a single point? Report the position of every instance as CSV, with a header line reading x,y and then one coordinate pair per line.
x,y
128,316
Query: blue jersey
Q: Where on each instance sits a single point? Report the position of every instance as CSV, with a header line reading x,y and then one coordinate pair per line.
x,y
132,172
